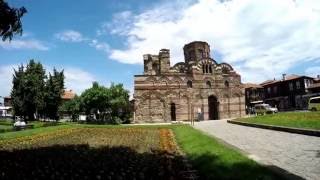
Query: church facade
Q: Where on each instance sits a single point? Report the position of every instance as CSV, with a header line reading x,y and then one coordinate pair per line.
x,y
198,88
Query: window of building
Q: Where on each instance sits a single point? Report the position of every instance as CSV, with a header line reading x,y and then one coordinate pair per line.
x,y
275,89
189,84
298,84
226,84
225,70
291,86
269,90
208,84
210,69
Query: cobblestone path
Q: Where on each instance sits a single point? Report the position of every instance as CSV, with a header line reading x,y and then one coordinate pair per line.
x,y
298,154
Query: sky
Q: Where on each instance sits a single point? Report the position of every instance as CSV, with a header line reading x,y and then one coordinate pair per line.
x,y
104,40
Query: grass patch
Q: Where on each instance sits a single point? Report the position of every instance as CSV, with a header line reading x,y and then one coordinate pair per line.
x,y
305,120
216,161
29,132
6,122
6,125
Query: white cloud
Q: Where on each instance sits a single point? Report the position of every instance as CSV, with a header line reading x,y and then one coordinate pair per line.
x,y
121,23
31,44
261,39
70,36
313,71
99,45
77,37
77,79
6,73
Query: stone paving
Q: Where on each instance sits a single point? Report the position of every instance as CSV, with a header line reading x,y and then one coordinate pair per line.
x,y
298,154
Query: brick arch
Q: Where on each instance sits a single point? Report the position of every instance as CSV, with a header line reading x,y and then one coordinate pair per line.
x,y
179,67
163,79
214,94
225,68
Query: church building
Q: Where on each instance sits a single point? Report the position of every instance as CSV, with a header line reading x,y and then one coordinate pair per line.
x,y
197,89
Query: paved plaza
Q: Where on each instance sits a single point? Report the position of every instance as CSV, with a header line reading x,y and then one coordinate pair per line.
x,y
298,154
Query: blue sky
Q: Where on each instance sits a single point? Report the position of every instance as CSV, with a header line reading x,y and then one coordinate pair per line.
x,y
104,40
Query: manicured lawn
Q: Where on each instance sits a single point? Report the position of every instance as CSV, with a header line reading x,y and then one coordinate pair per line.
x,y
29,132
214,160
306,120
6,122
122,152
4,128
6,125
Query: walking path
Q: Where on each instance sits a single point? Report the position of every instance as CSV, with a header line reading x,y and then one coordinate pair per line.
x,y
298,154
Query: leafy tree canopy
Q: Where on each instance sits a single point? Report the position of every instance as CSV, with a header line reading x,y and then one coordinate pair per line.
x,y
34,94
10,20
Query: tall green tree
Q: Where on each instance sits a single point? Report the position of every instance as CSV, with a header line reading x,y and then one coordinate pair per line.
x,y
35,77
28,90
10,20
53,91
17,92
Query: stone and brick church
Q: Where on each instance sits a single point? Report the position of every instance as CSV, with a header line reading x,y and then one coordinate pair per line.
x,y
198,88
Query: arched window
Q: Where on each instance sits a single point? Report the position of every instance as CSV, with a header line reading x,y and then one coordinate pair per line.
x,y
225,70
203,68
210,69
207,68
208,83
189,84
226,84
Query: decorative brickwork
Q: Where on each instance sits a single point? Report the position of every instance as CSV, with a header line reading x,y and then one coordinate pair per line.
x,y
198,88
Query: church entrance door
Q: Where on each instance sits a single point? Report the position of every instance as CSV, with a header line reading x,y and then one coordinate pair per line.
x,y
173,111
213,108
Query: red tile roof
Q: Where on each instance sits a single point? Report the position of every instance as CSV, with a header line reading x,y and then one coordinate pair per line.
x,y
252,85
68,94
288,78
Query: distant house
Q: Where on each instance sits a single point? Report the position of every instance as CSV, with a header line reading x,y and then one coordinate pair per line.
x,y
5,111
314,88
66,96
253,93
7,101
291,92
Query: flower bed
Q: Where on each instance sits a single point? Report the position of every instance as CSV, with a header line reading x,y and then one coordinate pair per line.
x,y
94,153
